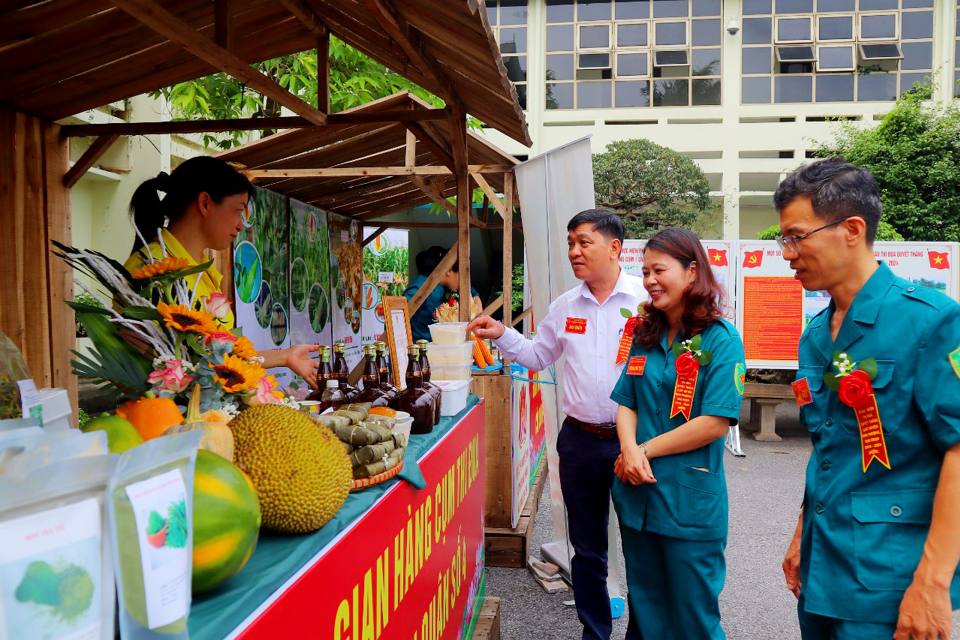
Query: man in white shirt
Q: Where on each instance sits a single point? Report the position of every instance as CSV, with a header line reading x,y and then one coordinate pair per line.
x,y
586,324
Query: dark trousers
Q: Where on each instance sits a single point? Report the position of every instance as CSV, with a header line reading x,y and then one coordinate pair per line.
x,y
586,478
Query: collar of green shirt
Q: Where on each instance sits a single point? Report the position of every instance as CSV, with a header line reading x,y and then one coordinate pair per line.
x,y
864,310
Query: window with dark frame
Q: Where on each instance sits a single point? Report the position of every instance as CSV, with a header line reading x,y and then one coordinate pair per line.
x,y
508,20
847,50
657,53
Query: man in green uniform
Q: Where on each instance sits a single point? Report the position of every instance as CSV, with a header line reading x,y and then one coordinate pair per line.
x,y
877,546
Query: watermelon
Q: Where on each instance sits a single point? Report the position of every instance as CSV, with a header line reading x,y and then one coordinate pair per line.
x,y
226,521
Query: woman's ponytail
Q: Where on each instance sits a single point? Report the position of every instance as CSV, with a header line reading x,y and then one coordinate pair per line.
x,y
146,208
203,174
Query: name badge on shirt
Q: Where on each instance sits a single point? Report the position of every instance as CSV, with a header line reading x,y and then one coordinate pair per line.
x,y
576,325
801,389
636,365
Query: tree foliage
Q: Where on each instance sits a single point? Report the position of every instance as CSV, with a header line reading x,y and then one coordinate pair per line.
x,y
915,155
885,233
355,79
650,186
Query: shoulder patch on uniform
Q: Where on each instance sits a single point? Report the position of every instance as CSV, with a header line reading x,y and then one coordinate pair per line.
x,y
955,361
740,375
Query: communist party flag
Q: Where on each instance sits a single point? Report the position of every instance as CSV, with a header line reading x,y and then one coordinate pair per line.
x,y
752,259
718,257
938,260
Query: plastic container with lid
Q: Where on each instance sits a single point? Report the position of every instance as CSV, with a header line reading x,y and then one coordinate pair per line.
x,y
450,353
455,394
451,371
447,333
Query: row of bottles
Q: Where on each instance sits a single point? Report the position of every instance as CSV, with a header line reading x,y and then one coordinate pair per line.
x,y
421,398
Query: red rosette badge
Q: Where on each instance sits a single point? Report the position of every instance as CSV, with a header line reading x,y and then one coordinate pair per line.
x,y
687,365
689,360
852,382
856,390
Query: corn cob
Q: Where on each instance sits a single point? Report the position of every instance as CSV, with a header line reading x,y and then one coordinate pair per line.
x,y
478,358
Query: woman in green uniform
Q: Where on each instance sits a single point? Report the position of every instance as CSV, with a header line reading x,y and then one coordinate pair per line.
x,y
684,375
202,209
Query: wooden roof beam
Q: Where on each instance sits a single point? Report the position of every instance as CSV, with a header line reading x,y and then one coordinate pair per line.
x,y
248,124
306,15
223,23
168,25
404,35
430,142
349,172
373,236
89,158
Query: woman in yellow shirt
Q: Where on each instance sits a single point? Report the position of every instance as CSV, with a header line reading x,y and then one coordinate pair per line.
x,y
203,207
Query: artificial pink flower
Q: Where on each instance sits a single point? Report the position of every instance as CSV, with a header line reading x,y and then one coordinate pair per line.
x,y
217,305
220,337
172,379
266,392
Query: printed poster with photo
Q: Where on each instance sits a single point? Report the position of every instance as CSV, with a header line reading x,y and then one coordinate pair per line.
x,y
386,265
309,275
261,276
346,284
520,446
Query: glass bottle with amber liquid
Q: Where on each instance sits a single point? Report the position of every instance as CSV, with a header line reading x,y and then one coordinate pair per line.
x,y
342,373
432,388
332,396
372,392
324,373
386,382
416,400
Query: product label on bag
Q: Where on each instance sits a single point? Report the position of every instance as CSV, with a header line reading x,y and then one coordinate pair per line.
x,y
50,570
163,526
576,325
636,365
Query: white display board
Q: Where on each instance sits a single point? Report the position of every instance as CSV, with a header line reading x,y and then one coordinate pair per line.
x,y
773,309
721,254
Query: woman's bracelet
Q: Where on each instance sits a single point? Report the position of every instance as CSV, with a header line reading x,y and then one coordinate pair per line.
x,y
643,445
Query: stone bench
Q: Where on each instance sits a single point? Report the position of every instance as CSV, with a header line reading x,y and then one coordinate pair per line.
x,y
768,397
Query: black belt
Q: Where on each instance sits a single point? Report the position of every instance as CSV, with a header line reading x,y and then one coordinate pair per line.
x,y
607,431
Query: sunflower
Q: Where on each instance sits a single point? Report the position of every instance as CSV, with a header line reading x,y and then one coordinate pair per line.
x,y
151,269
235,374
183,318
243,348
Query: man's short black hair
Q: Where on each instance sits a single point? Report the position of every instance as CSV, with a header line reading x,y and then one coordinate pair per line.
x,y
836,189
428,259
606,223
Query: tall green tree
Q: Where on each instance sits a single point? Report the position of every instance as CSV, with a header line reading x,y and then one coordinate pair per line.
x,y
355,79
915,155
650,186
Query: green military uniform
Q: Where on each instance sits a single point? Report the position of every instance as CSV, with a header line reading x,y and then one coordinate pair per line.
x,y
864,531
674,531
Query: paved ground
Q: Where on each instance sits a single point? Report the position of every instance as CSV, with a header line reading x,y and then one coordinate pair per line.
x,y
765,492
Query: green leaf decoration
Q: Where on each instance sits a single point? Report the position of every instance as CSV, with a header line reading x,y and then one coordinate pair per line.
x,y
177,525
80,307
695,342
155,523
141,313
705,358
677,349
868,366
625,313
832,381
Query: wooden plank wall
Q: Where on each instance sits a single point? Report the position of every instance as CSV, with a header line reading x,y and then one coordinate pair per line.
x,y
34,284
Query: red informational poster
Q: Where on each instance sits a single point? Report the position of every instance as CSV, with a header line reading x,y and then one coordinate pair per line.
x,y
536,424
411,567
772,317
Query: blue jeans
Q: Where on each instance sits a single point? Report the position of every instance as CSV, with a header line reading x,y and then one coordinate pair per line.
x,y
586,478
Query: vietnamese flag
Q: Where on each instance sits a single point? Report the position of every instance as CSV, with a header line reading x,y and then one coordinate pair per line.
x,y
752,259
718,257
938,260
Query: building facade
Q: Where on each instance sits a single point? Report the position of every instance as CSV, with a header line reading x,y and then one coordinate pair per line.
x,y
746,88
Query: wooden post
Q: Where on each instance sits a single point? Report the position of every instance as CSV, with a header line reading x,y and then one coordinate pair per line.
x,y
508,248
458,143
223,24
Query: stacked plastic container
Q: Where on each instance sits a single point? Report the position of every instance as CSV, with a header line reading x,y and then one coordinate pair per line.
x,y
451,355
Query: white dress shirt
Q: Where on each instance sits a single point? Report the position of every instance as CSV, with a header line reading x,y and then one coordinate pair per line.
x,y
590,371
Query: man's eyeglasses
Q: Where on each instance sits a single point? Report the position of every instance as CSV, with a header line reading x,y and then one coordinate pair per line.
x,y
792,243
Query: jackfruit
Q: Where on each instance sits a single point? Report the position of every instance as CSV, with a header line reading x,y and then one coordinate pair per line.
x,y
300,470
